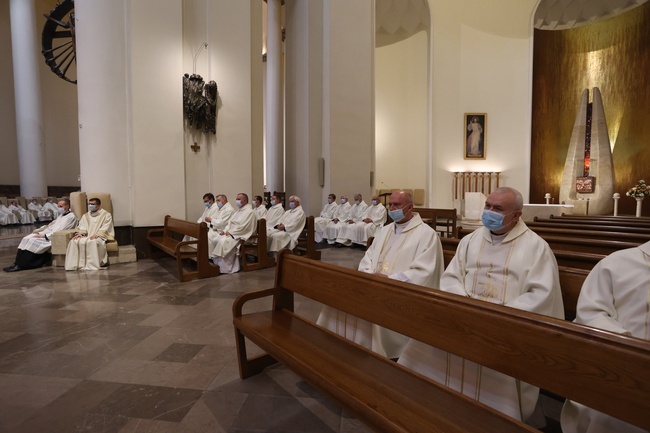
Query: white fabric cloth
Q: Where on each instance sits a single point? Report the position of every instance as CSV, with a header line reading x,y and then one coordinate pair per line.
x,y
87,254
23,215
408,252
340,216
39,245
615,297
520,272
6,216
41,214
52,208
359,232
219,222
321,221
294,222
354,215
260,212
211,212
241,226
273,215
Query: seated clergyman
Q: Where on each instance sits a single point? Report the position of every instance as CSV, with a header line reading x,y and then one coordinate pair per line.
x,y
34,249
87,249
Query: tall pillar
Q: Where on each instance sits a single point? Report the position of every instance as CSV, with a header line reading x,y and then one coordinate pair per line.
x,y
27,92
274,112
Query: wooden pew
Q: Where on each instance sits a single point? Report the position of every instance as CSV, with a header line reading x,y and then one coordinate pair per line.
x,y
582,245
168,240
593,367
608,227
638,238
256,247
445,218
306,243
599,219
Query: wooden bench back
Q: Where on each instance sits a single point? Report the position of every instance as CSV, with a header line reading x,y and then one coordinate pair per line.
x,y
580,363
577,225
602,219
188,228
639,238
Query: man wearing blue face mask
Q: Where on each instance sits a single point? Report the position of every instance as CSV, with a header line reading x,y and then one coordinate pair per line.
x,y
340,216
209,212
285,233
503,263
405,250
326,215
87,249
273,214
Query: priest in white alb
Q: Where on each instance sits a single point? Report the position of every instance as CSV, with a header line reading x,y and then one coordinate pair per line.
x,y
23,214
219,220
355,215
285,233
258,207
242,225
273,214
359,232
34,249
87,249
35,207
405,250
51,207
7,217
615,297
504,263
210,210
326,215
340,216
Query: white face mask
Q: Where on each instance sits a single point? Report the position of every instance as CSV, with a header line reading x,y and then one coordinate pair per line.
x,y
254,204
219,204
61,210
374,202
343,201
273,203
92,207
238,203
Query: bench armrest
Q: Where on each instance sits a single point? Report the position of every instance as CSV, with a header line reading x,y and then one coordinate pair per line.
x,y
155,232
60,241
238,305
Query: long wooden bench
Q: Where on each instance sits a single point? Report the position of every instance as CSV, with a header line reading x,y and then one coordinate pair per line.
x,y
575,225
586,365
306,241
639,238
256,248
599,219
169,240
439,218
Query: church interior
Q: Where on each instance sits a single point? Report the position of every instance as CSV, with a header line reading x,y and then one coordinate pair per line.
x,y
310,98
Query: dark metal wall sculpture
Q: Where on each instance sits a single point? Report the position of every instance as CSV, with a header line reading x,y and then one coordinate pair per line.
x,y
58,41
200,102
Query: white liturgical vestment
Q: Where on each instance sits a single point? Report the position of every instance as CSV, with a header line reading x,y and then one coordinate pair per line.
x,y
242,225
359,232
23,215
209,211
87,254
614,297
260,212
273,215
6,216
408,252
354,215
321,221
38,245
52,208
219,222
340,216
293,221
518,270
41,214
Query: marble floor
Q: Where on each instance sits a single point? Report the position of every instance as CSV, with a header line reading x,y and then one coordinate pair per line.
x,y
131,350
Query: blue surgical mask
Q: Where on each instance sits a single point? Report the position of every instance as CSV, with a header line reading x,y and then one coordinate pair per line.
x,y
219,204
254,204
92,207
292,204
396,215
357,201
374,202
493,221
238,203
207,204
329,201
273,203
61,210
342,201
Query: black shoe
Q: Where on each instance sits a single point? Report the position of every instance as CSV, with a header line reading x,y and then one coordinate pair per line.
x,y
12,268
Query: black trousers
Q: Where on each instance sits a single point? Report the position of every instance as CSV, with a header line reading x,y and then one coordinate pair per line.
x,y
28,260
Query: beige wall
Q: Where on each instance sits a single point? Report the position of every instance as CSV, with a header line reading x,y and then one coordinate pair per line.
x,y
59,100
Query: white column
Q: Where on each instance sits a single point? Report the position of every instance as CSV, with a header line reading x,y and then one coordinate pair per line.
x,y
27,92
274,113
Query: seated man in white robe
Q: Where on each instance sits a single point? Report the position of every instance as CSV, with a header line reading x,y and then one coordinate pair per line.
x,y
359,232
326,215
36,208
614,297
504,263
51,207
258,207
242,225
405,250
34,249
340,216
285,233
355,215
23,215
87,249
273,214
219,220
7,217
210,211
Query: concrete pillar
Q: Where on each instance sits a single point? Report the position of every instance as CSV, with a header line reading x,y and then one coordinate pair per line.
x,y
274,110
27,89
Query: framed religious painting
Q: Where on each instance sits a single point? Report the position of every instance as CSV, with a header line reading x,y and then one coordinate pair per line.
x,y
475,127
